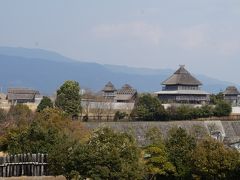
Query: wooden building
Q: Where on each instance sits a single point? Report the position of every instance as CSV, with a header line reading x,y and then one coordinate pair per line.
x,y
109,91
182,87
126,94
21,95
232,95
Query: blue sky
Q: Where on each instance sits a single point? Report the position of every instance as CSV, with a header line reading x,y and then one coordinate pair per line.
x,y
202,34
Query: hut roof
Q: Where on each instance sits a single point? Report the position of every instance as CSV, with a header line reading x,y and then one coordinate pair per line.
x,y
125,93
109,87
181,77
21,93
126,89
231,90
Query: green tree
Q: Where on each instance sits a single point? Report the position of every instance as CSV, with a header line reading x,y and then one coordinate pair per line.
x,y
215,98
148,108
69,99
46,102
41,134
157,164
222,108
61,158
20,115
3,115
120,115
180,146
107,155
211,160
111,155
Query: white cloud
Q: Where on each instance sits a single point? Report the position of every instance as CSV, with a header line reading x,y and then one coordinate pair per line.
x,y
193,37
201,37
136,30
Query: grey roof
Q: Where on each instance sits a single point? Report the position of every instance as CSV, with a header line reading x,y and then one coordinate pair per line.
x,y
22,91
125,93
109,87
231,90
21,94
181,77
126,89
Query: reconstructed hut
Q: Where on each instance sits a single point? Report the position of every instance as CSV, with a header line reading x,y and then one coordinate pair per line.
x,y
232,95
182,87
126,94
21,95
109,91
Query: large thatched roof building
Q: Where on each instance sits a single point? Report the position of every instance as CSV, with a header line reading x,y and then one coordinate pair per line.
x,y
182,87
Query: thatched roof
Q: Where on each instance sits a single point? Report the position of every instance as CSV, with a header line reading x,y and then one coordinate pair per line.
x,y
125,93
231,90
21,94
182,77
126,89
109,87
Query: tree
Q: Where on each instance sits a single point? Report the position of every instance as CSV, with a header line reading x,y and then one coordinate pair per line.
x,y
46,102
119,115
69,99
20,115
3,115
148,108
111,155
107,155
180,146
222,108
42,133
157,164
211,160
214,99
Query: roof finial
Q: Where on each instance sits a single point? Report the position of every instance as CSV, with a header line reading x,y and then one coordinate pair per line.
x,y
181,65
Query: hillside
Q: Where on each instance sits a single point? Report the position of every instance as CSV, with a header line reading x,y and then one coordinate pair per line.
x,y
46,71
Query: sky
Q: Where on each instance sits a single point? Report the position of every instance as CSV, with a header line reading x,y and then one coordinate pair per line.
x,y
202,34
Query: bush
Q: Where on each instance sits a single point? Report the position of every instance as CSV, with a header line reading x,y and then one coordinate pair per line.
x,y
119,115
222,109
148,108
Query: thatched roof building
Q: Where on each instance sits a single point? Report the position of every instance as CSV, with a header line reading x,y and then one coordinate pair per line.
x,y
126,94
109,87
109,91
181,77
21,95
232,95
182,87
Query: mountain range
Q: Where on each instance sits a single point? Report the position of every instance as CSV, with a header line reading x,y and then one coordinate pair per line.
x,y
46,71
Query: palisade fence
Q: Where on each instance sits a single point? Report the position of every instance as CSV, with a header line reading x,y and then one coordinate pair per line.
x,y
23,165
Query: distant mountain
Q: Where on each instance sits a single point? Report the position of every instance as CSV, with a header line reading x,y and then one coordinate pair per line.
x,y
46,71
33,54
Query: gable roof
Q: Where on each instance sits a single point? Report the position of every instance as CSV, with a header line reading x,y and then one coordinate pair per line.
x,y
181,77
109,87
231,90
21,93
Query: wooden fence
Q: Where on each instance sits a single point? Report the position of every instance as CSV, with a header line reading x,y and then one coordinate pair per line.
x,y
23,165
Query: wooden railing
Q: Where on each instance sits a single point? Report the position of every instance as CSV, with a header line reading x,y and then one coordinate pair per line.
x,y
23,165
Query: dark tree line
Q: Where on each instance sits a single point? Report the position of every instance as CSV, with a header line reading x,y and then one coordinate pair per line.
x,y
149,108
